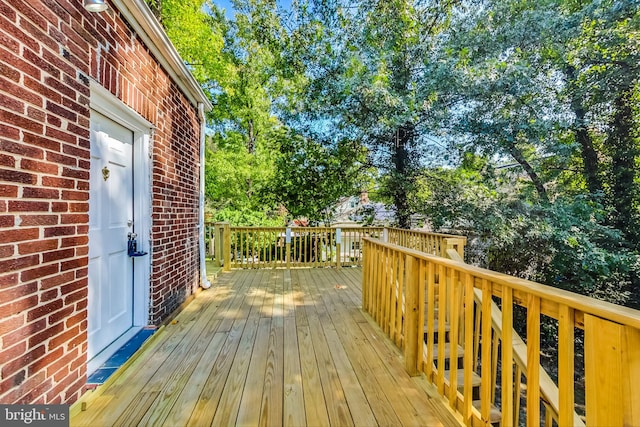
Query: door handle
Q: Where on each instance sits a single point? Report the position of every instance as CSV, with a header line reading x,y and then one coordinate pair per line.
x,y
132,246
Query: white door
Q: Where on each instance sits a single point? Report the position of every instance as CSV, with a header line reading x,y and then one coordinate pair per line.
x,y
110,221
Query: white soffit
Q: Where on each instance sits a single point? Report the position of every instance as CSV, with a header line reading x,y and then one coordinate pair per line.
x,y
147,27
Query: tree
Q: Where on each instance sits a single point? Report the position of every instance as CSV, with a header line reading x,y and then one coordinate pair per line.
x,y
311,176
196,29
368,63
564,243
550,84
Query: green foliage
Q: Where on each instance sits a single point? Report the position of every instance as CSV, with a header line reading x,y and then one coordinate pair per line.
x,y
234,182
531,105
196,34
368,61
311,176
563,244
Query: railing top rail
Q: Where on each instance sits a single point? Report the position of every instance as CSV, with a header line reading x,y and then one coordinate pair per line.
x,y
250,227
603,309
241,227
431,233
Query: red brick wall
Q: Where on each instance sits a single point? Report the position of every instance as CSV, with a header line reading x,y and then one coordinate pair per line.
x,y
49,49
175,209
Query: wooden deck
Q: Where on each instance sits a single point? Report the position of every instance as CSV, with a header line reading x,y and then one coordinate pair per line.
x,y
268,347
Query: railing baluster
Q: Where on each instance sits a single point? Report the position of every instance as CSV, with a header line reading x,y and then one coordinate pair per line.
x,y
248,241
566,356
494,365
442,310
507,356
486,385
453,337
394,321
401,290
421,295
548,416
476,338
413,351
469,354
533,360
518,395
431,318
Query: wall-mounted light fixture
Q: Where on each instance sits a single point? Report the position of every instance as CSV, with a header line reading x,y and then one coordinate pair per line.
x,y
95,5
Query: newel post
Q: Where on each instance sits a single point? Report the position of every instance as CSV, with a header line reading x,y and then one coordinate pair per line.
x,y
216,244
456,243
226,241
287,247
338,246
612,372
365,275
413,325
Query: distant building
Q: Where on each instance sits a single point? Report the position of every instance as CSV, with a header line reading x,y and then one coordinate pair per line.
x,y
353,211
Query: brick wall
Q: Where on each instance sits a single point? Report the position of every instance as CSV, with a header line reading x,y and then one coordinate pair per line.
x,y
175,209
49,49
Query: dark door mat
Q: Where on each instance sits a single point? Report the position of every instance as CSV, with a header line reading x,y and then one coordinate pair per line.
x,y
119,357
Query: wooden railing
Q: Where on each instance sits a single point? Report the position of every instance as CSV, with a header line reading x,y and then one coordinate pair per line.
x,y
430,243
270,247
419,298
254,247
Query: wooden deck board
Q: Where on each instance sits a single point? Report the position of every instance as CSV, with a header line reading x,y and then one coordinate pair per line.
x,y
335,399
268,347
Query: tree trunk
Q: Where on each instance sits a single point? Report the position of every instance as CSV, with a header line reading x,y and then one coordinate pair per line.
x,y
251,137
401,181
623,172
589,155
516,153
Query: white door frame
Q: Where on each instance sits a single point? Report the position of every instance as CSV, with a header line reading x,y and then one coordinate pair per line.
x,y
109,106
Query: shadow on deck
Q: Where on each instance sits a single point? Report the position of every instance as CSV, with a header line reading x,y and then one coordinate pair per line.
x,y
268,347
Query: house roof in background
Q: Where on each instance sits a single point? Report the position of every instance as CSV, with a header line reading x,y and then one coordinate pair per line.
x,y
147,27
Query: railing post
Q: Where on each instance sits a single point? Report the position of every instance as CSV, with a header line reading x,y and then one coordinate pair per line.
x,y
287,247
612,372
338,246
455,243
226,258
413,331
385,235
216,244
211,237
365,275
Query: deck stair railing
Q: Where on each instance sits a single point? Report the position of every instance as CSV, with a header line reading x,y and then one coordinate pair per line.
x,y
444,314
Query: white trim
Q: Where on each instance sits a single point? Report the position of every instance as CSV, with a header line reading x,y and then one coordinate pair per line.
x,y
142,226
107,104
103,102
147,27
204,281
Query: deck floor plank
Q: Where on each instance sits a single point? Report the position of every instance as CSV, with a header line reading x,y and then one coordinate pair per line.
x,y
360,408
359,353
293,404
335,399
248,414
387,379
268,347
271,409
234,386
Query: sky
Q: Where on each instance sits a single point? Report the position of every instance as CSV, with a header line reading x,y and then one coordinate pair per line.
x,y
226,4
